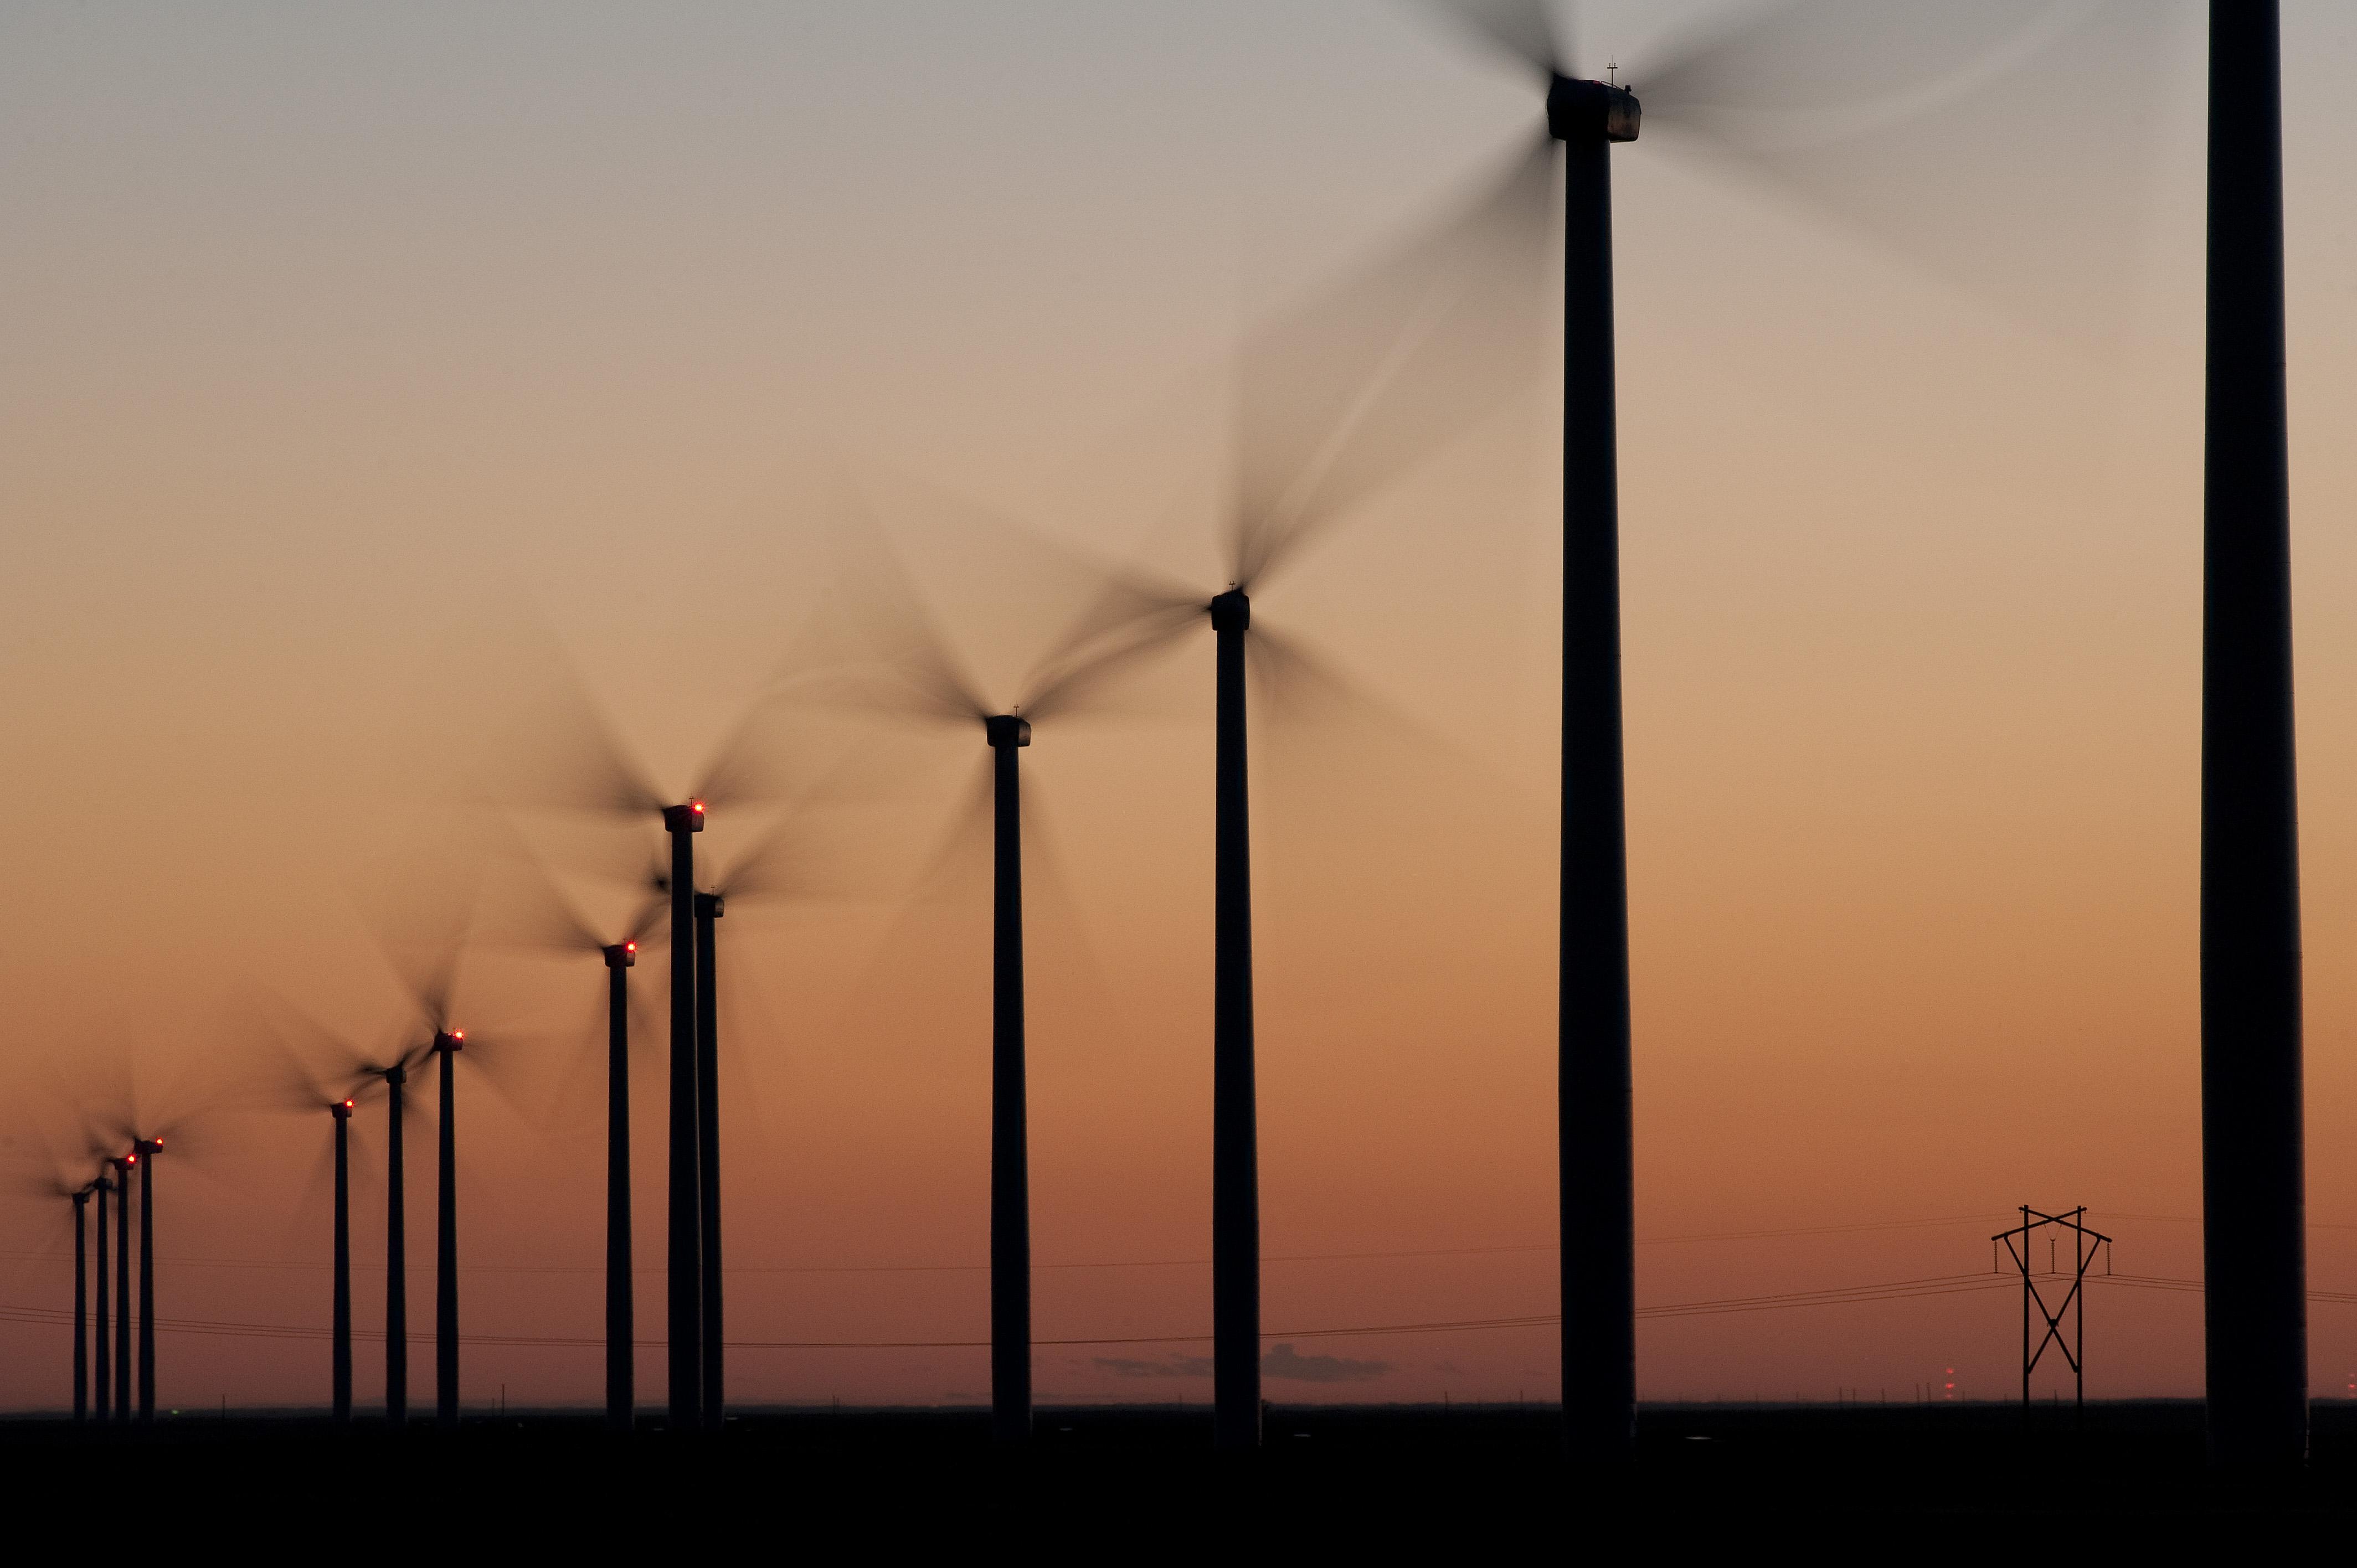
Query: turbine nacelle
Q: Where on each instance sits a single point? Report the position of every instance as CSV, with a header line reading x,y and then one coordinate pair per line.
x,y
622,955
147,1146
1231,611
711,906
448,1040
1007,729
687,818
342,1110
1580,111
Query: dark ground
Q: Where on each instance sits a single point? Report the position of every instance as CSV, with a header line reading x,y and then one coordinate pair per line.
x,y
1840,1482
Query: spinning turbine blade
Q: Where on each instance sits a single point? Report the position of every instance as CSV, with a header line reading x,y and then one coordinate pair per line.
x,y
1525,31
1343,396
2006,147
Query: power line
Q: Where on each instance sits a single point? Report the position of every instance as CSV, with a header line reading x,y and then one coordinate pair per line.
x,y
1888,1290
309,1265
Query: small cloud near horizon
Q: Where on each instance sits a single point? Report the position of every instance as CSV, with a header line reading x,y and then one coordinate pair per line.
x,y
1177,1367
1283,1361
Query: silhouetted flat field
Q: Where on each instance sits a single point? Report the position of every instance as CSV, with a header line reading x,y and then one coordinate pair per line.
x,y
1119,1481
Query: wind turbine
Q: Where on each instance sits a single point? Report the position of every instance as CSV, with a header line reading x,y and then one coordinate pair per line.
x,y
121,1164
773,866
894,662
300,1092
104,1388
1336,400
323,1069
53,1186
394,1074
143,1150
151,1148
538,914
447,1044
340,1376
81,1197
1722,87
586,768
424,946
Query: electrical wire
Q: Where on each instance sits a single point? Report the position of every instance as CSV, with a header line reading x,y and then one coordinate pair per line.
x,y
307,1266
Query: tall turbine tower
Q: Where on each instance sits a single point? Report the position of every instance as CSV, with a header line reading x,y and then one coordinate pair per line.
x,y
2252,1167
1594,1131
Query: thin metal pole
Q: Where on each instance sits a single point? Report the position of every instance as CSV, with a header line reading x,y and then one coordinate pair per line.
x,y
709,908
340,1353
620,1330
2253,1163
445,1242
122,1168
685,1253
104,1388
81,1307
397,1259
1235,1131
1010,1166
148,1285
1596,1159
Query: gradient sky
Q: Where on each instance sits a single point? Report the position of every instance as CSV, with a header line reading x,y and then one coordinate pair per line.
x,y
342,336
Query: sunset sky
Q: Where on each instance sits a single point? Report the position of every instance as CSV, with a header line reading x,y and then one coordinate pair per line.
x,y
357,355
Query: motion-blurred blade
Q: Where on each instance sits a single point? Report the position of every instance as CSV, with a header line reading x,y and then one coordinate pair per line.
x,y
1317,714
580,1100
422,931
1525,31
562,750
961,857
524,907
1347,392
1057,926
2006,147
1128,620
787,862
875,646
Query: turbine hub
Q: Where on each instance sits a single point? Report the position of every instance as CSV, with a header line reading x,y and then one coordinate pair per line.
x,y
1580,111
1006,729
1231,611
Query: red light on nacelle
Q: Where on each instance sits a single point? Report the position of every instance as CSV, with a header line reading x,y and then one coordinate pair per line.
x,y
458,1034
629,946
348,1105
696,806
